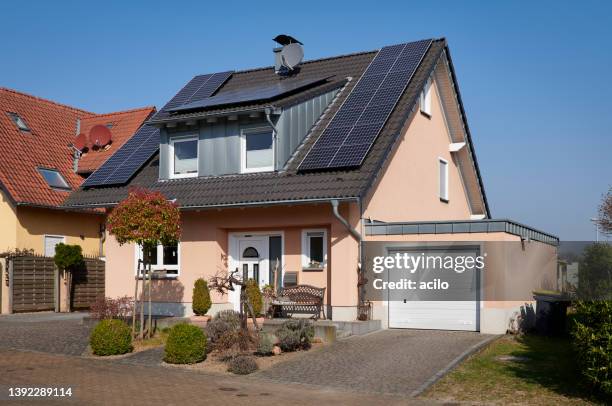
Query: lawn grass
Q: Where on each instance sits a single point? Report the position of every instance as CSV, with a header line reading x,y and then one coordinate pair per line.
x,y
549,376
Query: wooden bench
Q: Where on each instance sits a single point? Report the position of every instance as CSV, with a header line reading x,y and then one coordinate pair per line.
x,y
303,299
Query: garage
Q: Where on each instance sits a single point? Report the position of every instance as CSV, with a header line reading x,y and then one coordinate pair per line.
x,y
448,299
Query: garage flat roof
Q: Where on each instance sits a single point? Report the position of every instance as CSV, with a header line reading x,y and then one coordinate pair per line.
x,y
460,226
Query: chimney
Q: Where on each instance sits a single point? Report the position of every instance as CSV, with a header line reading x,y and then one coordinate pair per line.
x,y
76,154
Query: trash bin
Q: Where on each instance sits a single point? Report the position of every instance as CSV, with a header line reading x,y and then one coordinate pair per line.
x,y
551,314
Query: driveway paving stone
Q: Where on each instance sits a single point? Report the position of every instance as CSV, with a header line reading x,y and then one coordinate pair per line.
x,y
98,382
45,332
389,361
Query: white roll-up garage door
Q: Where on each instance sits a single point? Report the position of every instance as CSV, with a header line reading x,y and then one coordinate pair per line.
x,y
422,311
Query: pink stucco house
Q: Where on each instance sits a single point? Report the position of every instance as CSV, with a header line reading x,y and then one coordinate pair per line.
x,y
303,164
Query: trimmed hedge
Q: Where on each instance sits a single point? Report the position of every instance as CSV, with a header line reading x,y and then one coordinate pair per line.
x,y
592,341
186,344
201,297
111,337
254,296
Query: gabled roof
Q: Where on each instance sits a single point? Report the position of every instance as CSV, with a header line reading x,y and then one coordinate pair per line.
x,y
123,125
52,127
288,184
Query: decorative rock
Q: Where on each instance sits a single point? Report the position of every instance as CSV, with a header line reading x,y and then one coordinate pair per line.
x,y
276,350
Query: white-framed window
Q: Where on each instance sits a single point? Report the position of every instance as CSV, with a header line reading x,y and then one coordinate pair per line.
x,y
183,155
443,179
164,258
426,98
50,242
314,249
257,150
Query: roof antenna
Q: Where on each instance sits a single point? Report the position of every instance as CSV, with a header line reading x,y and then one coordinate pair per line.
x,y
288,56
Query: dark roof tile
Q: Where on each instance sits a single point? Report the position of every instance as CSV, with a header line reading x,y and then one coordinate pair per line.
x,y
287,185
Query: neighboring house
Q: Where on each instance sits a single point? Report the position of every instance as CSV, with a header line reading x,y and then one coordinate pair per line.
x,y
302,166
39,168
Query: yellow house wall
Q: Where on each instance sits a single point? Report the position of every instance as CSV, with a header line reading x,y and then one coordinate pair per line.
x,y
8,224
78,228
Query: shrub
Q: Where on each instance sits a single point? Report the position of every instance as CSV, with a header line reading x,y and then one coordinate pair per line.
x,y
592,341
225,321
111,337
242,365
186,344
265,346
68,257
237,341
108,308
201,297
295,334
254,296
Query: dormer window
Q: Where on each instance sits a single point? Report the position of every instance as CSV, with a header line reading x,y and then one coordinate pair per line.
x,y
19,122
257,147
184,156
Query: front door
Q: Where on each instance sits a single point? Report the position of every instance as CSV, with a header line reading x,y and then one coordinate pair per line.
x,y
254,259
249,254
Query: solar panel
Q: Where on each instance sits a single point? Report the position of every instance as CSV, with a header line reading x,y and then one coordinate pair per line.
x,y
348,137
122,165
261,93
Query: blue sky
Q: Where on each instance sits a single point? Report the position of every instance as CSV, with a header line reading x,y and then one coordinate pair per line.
x,y
535,76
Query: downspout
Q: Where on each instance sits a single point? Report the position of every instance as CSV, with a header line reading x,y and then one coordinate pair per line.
x,y
360,291
102,239
346,224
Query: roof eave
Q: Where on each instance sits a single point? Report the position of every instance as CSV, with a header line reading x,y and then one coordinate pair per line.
x,y
238,205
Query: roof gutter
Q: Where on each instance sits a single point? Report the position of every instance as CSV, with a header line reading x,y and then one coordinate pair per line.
x,y
232,205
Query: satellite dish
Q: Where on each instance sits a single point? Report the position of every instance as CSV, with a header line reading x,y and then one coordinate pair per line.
x,y
100,135
80,142
291,55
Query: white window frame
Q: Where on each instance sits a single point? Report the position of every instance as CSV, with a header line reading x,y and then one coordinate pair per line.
x,y
306,248
45,236
181,138
443,162
243,153
157,267
425,104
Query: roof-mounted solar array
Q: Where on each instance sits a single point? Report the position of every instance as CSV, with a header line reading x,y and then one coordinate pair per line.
x,y
122,165
254,94
350,134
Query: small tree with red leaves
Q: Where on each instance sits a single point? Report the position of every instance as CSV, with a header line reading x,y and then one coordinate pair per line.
x,y
605,213
145,218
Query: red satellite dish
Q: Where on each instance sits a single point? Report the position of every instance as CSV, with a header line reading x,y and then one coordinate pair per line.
x,y
100,135
80,142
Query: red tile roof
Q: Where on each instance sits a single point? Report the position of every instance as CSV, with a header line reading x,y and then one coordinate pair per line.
x,y
124,125
52,128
